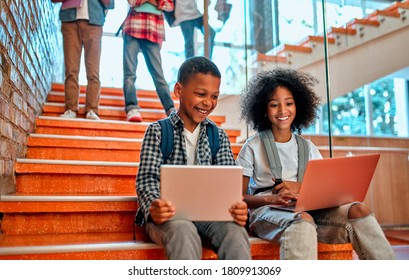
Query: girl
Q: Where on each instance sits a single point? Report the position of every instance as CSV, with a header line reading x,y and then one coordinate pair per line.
x,y
279,103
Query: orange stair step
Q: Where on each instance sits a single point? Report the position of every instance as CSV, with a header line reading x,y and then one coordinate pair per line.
x,y
271,58
115,113
110,246
108,91
75,177
104,128
61,147
42,146
56,215
114,101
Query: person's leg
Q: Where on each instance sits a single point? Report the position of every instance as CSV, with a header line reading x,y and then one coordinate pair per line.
x,y
372,242
296,233
72,44
151,52
229,240
179,238
187,28
200,25
92,35
353,223
131,49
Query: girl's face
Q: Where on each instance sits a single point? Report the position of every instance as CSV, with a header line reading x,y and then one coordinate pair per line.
x,y
281,110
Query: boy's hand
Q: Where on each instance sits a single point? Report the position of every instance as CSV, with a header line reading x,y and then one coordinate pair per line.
x,y
239,213
161,211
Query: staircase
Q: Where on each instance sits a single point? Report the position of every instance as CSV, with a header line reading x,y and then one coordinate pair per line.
x,y
360,52
75,191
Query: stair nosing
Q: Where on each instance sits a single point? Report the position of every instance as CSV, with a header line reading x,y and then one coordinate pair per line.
x,y
93,121
67,198
102,107
90,138
113,97
117,246
77,162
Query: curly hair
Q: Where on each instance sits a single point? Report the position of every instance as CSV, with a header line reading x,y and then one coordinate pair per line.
x,y
255,96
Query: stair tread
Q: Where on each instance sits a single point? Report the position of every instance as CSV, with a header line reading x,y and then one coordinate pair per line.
x,y
28,244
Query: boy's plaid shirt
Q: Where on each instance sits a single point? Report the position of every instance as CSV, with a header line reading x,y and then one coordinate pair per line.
x,y
148,178
145,25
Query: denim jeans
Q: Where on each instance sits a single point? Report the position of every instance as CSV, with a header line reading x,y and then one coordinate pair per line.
x,y
151,53
298,238
187,28
182,239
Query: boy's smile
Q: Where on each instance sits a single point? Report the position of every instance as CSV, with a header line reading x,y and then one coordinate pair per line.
x,y
197,98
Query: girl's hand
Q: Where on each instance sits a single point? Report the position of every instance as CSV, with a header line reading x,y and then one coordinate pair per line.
x,y
239,213
293,187
283,197
161,211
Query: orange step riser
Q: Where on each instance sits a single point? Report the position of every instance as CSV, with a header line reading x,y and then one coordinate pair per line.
x,y
258,252
109,102
62,223
88,154
75,184
80,154
121,117
90,132
114,91
100,133
111,117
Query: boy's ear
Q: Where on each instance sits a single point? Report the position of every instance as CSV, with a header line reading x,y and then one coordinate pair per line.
x,y
177,89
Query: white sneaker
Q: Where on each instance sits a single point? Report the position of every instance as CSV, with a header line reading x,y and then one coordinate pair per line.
x,y
91,115
134,116
69,114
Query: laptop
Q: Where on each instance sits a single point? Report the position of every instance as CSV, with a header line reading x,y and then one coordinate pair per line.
x,y
332,182
201,193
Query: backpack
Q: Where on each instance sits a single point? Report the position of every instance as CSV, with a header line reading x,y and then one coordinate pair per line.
x,y
166,143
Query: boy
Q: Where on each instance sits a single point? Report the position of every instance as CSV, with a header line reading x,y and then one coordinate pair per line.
x,y
197,89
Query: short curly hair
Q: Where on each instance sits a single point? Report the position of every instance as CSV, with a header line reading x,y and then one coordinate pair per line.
x,y
255,96
195,65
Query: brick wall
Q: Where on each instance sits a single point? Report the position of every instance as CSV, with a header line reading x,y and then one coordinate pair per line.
x,y
30,54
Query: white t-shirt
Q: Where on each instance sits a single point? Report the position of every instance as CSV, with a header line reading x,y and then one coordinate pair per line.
x,y
186,10
254,160
191,144
82,12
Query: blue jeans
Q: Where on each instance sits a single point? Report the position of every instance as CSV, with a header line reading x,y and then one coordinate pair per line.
x,y
151,52
182,239
298,238
187,28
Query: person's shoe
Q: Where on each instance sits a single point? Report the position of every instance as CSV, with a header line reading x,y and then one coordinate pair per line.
x,y
173,109
69,114
91,115
134,116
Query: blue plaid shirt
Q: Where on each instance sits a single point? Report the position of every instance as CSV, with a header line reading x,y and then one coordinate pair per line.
x,y
148,178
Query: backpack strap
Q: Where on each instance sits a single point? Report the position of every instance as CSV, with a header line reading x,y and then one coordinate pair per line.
x,y
270,146
274,162
166,142
213,135
303,156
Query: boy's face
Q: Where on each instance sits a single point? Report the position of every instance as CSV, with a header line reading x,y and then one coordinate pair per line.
x,y
197,99
281,109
